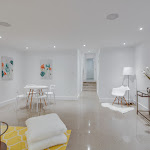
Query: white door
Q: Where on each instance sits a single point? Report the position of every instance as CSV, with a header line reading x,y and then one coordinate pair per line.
x,y
90,69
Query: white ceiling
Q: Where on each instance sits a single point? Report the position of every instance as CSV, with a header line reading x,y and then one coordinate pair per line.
x,y
68,24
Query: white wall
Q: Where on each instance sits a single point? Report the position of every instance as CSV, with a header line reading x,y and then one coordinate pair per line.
x,y
67,70
80,72
98,71
64,71
142,60
27,71
111,63
8,88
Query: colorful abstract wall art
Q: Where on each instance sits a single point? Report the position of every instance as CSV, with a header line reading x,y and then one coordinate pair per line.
x,y
7,68
46,69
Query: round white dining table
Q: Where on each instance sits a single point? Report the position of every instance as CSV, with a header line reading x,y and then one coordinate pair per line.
x,y
36,87
32,89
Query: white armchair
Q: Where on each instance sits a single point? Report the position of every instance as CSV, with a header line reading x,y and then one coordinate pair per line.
x,y
119,93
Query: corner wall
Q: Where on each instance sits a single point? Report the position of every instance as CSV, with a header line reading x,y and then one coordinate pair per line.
x,y
8,88
111,64
142,60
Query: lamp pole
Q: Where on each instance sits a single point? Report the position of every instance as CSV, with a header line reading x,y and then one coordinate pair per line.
x,y
128,90
128,71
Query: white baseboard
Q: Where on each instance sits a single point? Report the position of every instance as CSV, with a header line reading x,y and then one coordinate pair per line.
x,y
57,98
66,98
106,100
7,102
141,104
78,96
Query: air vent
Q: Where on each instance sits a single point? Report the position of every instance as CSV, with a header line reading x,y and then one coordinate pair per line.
x,y
112,16
5,24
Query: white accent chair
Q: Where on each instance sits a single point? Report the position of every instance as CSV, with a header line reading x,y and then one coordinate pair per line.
x,y
51,92
119,93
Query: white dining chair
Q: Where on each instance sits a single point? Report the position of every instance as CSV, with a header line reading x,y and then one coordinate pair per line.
x,y
18,98
119,93
51,93
41,98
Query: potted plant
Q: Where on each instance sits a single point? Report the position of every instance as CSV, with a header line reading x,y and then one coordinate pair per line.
x,y
146,72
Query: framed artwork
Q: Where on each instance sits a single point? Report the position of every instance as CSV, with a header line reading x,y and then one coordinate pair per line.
x,y
46,69
7,67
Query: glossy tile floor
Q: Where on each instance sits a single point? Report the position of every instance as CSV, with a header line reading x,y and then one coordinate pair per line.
x,y
93,127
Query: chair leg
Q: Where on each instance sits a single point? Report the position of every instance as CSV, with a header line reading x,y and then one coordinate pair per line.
x,y
16,103
27,102
31,102
40,105
121,101
49,99
45,102
54,98
125,101
114,100
37,106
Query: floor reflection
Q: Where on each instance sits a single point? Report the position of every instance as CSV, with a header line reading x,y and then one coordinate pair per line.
x,y
93,127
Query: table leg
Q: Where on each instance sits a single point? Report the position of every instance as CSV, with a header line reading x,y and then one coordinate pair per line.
x,y
45,102
37,106
31,100
3,146
28,96
121,101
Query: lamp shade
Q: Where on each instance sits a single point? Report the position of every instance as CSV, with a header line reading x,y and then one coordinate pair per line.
x,y
128,71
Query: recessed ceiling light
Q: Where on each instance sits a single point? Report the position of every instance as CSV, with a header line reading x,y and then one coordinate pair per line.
x,y
141,29
54,46
5,24
27,47
84,45
124,43
0,37
89,51
112,16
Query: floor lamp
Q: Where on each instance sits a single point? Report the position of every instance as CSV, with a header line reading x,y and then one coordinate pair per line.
x,y
128,71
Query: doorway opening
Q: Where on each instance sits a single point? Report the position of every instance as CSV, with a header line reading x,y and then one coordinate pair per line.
x,y
89,69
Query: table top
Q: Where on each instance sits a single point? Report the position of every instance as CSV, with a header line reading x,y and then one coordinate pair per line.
x,y
36,87
3,127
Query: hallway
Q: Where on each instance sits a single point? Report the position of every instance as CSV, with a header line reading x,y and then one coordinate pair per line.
x,y
93,127
89,86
